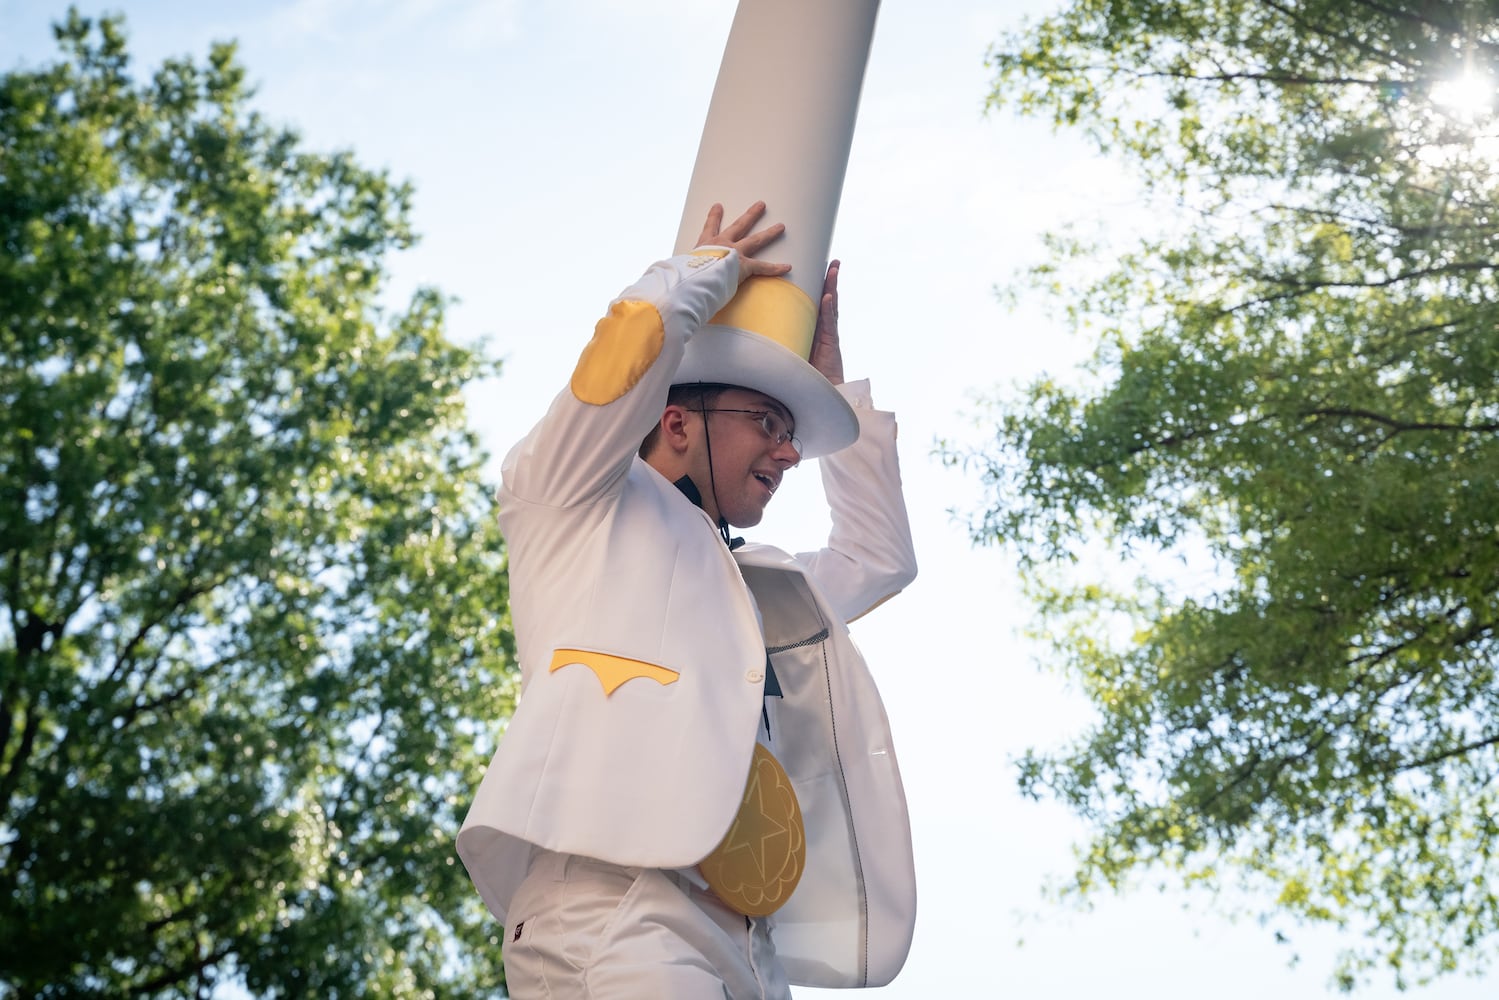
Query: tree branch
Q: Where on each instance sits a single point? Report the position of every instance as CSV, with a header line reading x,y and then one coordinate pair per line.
x,y
15,764
1296,288
1457,751
197,967
1292,15
185,595
1398,425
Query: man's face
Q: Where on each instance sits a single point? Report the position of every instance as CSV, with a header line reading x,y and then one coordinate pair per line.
x,y
748,463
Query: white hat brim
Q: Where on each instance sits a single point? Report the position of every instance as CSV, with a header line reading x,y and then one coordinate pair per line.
x,y
825,422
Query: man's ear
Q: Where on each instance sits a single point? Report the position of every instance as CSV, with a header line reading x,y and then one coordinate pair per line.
x,y
674,424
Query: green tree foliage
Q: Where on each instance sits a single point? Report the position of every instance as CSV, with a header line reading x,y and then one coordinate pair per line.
x,y
253,640
1289,433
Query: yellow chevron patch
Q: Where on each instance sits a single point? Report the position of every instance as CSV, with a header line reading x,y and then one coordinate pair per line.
x,y
612,671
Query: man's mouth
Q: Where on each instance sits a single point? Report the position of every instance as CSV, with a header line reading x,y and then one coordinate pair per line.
x,y
769,482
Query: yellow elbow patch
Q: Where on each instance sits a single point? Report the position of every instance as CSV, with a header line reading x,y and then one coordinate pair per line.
x,y
624,346
612,671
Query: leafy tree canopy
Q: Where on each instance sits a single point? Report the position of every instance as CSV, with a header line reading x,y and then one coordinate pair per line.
x,y
253,642
1294,397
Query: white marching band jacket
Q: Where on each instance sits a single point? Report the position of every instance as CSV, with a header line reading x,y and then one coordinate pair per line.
x,y
642,658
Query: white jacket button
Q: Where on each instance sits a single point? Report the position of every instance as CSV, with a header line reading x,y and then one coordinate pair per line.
x,y
754,676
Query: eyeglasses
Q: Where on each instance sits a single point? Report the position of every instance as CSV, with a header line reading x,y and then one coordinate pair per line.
x,y
770,422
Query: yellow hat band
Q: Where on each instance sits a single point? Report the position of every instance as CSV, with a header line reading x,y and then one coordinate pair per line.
x,y
774,308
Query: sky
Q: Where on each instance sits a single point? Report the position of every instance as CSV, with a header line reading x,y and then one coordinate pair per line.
x,y
550,145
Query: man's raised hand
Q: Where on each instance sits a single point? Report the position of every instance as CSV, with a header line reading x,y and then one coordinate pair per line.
x,y
742,236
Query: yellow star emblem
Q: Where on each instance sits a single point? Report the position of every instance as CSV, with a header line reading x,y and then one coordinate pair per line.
x,y
760,860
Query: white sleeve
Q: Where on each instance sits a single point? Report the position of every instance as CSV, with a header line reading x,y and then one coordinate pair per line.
x,y
583,446
869,556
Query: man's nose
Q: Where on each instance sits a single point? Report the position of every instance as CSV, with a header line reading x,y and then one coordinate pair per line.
x,y
786,452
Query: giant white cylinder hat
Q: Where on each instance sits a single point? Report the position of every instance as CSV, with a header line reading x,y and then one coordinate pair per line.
x,y
779,129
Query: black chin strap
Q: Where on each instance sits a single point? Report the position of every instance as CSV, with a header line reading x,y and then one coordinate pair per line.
x,y
723,522
690,491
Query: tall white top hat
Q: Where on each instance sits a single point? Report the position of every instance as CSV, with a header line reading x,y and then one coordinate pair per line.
x,y
779,129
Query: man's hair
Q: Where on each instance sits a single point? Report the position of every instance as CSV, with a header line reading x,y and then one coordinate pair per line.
x,y
689,395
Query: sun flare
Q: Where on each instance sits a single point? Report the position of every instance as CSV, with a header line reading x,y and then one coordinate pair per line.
x,y
1469,96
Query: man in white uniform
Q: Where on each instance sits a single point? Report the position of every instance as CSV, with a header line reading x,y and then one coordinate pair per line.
x,y
664,662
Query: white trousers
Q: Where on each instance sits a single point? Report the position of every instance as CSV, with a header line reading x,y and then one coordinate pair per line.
x,y
582,929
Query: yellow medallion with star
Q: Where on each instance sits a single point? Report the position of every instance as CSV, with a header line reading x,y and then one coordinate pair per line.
x,y
760,860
